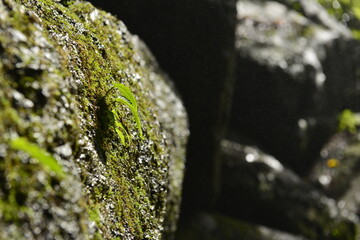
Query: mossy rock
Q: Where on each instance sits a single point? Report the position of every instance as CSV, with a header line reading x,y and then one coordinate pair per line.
x,y
58,63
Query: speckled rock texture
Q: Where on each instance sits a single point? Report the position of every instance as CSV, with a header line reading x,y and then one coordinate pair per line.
x,y
59,61
194,41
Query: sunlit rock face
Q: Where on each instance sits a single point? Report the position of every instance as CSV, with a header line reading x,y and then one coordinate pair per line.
x,y
59,61
296,70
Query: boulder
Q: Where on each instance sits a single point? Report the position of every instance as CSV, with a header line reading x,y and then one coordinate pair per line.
x,y
256,187
92,134
337,172
290,84
194,42
337,165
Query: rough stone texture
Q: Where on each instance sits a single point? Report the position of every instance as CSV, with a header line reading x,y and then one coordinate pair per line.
x,y
58,63
194,42
291,85
257,188
292,93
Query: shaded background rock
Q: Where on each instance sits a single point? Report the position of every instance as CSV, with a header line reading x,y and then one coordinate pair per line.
x,y
58,63
337,172
257,188
291,86
316,13
214,226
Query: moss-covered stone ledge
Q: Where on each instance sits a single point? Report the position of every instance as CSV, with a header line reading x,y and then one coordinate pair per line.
x,y
65,172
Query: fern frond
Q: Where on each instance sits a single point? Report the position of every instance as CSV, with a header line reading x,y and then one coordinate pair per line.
x,y
44,158
118,125
128,99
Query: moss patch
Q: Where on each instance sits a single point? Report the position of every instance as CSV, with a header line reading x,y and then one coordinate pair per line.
x,y
59,59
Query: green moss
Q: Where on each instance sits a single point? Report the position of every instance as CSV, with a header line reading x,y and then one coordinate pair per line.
x,y
124,185
348,121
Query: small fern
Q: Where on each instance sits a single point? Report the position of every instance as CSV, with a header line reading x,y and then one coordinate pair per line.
x,y
44,158
128,99
118,125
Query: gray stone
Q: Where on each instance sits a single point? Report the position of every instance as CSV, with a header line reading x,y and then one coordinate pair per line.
x,y
256,187
290,84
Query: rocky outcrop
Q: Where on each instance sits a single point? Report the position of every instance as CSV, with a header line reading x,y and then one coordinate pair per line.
x,y
291,85
258,188
75,163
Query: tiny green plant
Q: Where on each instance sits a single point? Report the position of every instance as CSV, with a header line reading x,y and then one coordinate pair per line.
x,y
349,121
128,99
118,125
34,151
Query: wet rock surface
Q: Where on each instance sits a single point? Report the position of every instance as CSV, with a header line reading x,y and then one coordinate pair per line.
x,y
65,171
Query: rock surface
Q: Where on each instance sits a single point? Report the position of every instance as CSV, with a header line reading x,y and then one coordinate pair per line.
x,y
257,188
65,172
214,226
337,173
291,85
194,42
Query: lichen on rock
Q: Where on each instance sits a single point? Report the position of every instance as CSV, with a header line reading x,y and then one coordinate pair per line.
x,y
58,63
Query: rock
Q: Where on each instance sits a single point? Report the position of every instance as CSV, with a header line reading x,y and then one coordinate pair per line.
x,y
257,188
214,226
344,12
73,161
337,166
316,13
290,84
337,173
194,43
